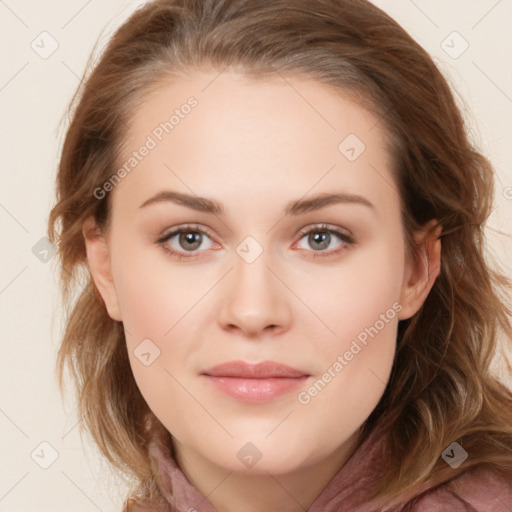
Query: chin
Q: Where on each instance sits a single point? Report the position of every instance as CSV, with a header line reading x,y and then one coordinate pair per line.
x,y
252,455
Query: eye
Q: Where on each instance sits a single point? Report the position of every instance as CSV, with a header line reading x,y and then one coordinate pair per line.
x,y
322,237
185,239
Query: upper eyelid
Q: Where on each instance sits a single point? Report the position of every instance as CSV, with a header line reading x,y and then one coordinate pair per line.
x,y
186,227
325,227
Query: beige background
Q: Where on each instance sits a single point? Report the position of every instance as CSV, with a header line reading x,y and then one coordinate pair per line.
x,y
34,92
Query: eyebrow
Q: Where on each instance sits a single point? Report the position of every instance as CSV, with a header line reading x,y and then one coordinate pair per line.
x,y
296,207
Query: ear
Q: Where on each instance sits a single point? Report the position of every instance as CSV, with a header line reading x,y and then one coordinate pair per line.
x,y
98,259
421,269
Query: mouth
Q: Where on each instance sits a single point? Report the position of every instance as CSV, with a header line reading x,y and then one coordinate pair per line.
x,y
255,382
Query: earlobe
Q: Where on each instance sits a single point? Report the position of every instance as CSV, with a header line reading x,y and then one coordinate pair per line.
x,y
422,270
98,259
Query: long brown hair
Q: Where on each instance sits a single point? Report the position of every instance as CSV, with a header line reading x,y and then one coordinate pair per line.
x,y
441,388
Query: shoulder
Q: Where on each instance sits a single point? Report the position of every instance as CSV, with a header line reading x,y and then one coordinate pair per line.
x,y
477,490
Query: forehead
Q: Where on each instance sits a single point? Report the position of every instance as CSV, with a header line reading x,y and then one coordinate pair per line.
x,y
244,136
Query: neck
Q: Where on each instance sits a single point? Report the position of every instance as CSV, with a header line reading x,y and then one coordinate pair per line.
x,y
230,491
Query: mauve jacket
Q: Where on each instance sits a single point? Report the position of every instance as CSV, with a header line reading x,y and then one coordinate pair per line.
x,y
476,490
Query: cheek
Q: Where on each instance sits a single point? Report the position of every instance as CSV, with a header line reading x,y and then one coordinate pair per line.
x,y
153,294
352,296
159,307
154,309
361,307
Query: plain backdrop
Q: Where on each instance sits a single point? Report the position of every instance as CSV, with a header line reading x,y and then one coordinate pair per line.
x,y
45,466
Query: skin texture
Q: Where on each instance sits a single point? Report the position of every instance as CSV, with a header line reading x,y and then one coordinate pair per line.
x,y
255,146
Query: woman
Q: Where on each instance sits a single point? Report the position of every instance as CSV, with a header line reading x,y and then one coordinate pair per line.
x,y
325,343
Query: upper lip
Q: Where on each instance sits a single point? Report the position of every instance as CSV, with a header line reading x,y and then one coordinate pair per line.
x,y
264,370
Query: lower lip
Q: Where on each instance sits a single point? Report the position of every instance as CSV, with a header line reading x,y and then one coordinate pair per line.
x,y
256,390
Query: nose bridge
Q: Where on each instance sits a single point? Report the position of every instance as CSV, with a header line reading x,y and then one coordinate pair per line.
x,y
255,298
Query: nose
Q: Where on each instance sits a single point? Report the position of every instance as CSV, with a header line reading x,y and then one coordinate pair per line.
x,y
255,300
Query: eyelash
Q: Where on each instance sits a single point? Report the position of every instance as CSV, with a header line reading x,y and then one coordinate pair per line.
x,y
347,240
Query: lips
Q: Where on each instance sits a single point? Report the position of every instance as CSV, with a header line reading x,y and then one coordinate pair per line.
x,y
254,382
264,370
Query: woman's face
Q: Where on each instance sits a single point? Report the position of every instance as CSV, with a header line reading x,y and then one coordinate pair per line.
x,y
261,224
